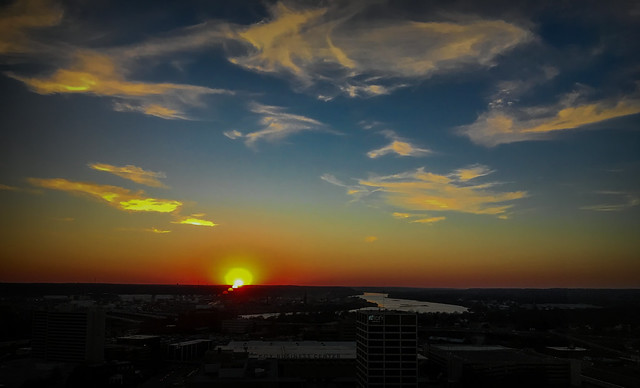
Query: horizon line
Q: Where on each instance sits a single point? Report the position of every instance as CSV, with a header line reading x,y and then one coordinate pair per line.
x,y
307,285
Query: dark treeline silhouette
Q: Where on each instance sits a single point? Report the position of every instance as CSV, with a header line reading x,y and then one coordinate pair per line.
x,y
38,289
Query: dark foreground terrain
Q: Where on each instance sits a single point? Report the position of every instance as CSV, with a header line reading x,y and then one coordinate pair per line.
x,y
184,336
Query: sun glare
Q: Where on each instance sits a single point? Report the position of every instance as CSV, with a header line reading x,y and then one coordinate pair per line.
x,y
238,277
238,283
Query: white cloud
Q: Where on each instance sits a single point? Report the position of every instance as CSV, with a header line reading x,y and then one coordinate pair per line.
x,y
508,92
356,191
623,202
156,110
235,134
368,124
276,124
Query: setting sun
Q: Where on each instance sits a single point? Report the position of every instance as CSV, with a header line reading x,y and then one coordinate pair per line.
x,y
238,277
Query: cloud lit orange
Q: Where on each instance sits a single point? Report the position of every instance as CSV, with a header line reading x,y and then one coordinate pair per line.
x,y
498,127
99,74
195,221
429,220
22,17
302,41
115,196
421,190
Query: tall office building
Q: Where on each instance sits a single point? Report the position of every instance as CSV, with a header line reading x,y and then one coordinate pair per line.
x,y
69,334
386,349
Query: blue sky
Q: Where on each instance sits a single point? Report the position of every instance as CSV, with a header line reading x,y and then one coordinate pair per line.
x,y
389,143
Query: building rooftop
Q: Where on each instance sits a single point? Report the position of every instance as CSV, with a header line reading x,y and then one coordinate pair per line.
x,y
490,354
379,311
294,350
567,348
190,342
138,337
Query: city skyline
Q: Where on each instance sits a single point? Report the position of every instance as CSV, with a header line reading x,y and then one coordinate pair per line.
x,y
448,144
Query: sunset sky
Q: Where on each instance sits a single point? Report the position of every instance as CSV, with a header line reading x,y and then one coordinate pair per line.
x,y
400,143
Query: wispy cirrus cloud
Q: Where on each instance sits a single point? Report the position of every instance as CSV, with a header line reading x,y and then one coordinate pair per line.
x,y
132,173
471,172
9,188
19,189
99,74
423,191
233,134
500,125
118,197
276,124
369,124
156,230
332,45
125,199
356,191
430,220
509,92
417,218
623,201
195,219
20,18
398,146
146,230
150,109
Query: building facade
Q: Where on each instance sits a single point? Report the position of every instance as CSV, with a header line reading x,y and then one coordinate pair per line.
x,y
386,349
69,334
495,366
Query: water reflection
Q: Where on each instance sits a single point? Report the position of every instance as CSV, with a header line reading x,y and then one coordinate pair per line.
x,y
383,301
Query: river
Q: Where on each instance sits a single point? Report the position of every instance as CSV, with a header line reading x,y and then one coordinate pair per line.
x,y
383,301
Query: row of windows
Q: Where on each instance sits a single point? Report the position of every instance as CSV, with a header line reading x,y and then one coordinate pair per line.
x,y
391,358
378,379
380,350
381,329
392,368
391,344
411,335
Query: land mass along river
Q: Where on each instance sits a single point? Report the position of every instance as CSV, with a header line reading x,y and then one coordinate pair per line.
x,y
383,301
